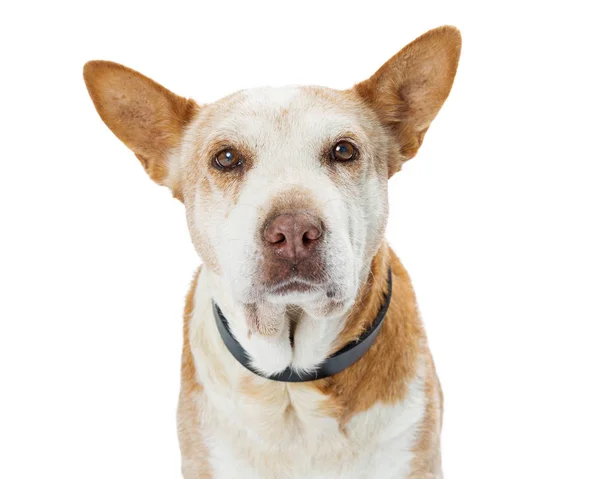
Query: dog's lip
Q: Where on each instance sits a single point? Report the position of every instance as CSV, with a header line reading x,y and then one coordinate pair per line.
x,y
294,285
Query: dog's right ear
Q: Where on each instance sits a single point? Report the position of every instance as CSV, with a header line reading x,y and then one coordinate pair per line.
x,y
144,115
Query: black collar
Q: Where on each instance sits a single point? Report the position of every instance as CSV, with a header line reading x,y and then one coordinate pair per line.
x,y
334,364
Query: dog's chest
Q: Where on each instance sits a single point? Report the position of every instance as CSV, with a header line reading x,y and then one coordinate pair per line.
x,y
252,428
284,434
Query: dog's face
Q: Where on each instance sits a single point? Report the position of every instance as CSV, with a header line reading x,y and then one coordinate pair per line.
x,y
285,189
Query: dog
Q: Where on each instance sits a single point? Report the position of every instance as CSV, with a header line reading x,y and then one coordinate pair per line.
x,y
304,354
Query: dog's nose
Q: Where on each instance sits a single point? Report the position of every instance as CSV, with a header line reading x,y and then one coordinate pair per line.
x,y
294,235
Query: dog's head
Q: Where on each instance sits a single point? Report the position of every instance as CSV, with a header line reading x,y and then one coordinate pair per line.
x,y
285,188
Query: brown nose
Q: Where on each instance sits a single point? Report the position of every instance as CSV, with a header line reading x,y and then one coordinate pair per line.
x,y
293,236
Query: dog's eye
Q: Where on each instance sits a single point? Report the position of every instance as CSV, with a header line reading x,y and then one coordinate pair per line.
x,y
343,151
228,158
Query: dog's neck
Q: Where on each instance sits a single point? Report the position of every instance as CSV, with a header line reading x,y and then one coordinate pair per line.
x,y
300,339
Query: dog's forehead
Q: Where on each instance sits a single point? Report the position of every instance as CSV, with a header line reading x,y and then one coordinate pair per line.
x,y
312,110
295,98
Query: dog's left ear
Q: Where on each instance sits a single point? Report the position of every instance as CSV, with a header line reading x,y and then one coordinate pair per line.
x,y
144,115
408,91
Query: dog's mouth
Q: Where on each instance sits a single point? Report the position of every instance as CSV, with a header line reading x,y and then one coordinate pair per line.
x,y
294,286
300,289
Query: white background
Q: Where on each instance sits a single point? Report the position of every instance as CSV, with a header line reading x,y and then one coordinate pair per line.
x,y
496,219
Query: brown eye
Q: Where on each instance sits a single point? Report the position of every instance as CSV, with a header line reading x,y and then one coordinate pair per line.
x,y
343,151
228,158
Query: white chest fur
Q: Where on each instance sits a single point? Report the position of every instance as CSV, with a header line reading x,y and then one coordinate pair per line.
x,y
254,428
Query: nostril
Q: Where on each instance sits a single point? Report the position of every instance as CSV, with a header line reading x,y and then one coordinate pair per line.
x,y
308,237
311,234
275,233
278,238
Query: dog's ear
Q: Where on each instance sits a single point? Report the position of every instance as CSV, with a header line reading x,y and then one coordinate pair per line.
x,y
408,91
144,115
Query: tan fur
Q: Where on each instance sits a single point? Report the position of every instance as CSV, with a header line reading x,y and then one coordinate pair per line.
x,y
427,458
188,413
144,115
384,371
408,91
